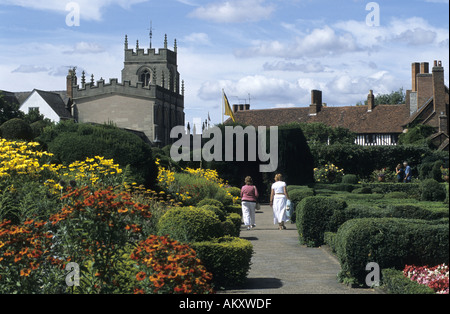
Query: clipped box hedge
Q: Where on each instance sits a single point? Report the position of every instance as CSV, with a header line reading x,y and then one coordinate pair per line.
x,y
313,218
187,224
390,242
395,282
227,258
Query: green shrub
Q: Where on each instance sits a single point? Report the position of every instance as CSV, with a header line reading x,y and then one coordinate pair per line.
x,y
329,239
397,195
363,190
314,218
210,201
412,189
190,224
237,209
350,179
16,129
415,212
234,191
390,242
395,282
220,213
110,142
232,225
227,258
431,190
297,195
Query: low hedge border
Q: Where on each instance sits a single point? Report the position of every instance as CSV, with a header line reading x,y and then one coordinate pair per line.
x,y
319,214
390,242
395,282
227,258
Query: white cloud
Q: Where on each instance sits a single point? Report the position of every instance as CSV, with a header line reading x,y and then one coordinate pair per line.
x,y
265,89
320,42
89,10
25,68
197,39
85,47
311,67
234,11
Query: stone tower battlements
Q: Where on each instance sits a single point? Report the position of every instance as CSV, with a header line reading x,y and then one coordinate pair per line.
x,y
152,67
150,98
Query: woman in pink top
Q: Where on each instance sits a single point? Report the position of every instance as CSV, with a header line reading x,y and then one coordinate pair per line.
x,y
249,197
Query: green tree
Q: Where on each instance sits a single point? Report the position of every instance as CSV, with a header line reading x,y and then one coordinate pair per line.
x,y
394,98
417,135
9,110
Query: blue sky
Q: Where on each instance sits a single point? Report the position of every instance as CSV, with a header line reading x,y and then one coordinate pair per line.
x,y
273,52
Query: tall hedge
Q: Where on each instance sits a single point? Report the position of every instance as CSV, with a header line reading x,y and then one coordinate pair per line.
x,y
70,141
390,242
295,161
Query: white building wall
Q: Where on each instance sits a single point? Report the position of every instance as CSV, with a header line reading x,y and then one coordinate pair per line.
x,y
36,101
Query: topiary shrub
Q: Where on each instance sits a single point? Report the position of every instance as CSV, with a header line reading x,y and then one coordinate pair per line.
x,y
210,201
363,190
431,190
415,212
314,218
350,179
188,224
297,195
397,195
227,258
16,129
232,225
216,210
395,282
390,242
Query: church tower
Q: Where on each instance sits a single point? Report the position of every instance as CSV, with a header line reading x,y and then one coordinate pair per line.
x,y
150,98
151,67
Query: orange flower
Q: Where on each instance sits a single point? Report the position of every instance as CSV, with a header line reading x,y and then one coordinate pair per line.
x,y
25,272
140,276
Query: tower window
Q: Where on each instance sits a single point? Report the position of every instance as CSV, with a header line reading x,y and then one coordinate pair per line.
x,y
145,78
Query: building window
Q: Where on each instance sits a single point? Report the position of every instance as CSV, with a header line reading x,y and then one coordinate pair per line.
x,y
145,78
33,109
370,139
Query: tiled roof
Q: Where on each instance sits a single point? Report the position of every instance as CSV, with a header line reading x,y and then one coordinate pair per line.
x,y
382,119
55,101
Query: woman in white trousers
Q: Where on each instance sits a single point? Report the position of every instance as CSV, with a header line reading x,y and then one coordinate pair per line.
x,y
249,197
278,199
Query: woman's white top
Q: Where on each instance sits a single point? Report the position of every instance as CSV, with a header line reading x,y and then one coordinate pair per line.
x,y
278,187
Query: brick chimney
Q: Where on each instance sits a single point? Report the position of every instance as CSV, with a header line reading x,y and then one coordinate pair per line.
x,y
316,102
424,68
370,101
240,107
415,69
438,87
69,84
